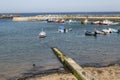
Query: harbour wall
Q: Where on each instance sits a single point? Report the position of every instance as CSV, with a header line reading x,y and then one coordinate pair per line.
x,y
65,17
8,16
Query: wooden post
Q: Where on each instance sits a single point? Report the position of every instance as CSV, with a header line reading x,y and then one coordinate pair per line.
x,y
72,66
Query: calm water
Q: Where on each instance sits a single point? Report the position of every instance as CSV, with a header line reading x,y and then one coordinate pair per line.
x,y
20,46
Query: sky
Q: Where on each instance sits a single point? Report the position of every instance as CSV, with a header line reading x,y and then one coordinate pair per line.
x,y
21,6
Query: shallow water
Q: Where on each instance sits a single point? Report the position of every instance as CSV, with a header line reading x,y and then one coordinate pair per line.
x,y
20,46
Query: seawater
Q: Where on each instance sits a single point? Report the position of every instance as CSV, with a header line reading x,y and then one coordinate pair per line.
x,y
20,46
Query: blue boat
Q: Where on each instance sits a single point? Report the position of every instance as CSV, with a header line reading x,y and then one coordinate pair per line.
x,y
89,33
62,29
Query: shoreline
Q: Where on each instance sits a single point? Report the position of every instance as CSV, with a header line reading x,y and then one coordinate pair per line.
x,y
105,73
101,73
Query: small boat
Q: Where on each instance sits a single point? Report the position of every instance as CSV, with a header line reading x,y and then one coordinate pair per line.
x,y
60,21
107,22
110,30
42,34
50,21
85,21
62,29
100,32
89,33
114,30
95,22
107,30
72,21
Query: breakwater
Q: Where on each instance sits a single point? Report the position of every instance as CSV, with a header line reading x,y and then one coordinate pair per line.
x,y
8,16
67,17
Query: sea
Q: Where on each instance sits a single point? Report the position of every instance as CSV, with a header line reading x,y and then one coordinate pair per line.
x,y
21,48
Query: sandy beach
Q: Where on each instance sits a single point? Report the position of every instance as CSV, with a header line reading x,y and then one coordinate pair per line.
x,y
103,73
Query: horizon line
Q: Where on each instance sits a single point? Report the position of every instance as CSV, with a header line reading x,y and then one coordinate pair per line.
x,y
66,12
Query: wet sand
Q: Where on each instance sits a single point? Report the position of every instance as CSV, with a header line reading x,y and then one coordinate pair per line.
x,y
103,73
56,76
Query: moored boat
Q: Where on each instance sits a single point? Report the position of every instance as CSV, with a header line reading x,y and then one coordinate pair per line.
x,y
100,32
95,22
85,21
42,34
110,30
108,22
89,33
62,29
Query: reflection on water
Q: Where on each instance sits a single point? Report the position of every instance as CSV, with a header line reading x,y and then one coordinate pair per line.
x,y
20,46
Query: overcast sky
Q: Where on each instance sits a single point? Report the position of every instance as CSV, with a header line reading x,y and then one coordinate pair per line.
x,y
16,6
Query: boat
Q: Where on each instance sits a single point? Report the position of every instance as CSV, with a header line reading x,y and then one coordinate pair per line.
x,y
107,30
62,29
111,30
60,21
108,22
95,22
50,20
72,21
85,21
89,33
100,32
42,34
114,30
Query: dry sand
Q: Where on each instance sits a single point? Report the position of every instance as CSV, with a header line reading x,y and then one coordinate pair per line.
x,y
104,73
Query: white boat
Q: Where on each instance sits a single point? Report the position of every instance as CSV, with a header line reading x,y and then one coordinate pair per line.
x,y
95,22
99,32
114,30
72,21
107,22
42,34
110,30
106,30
